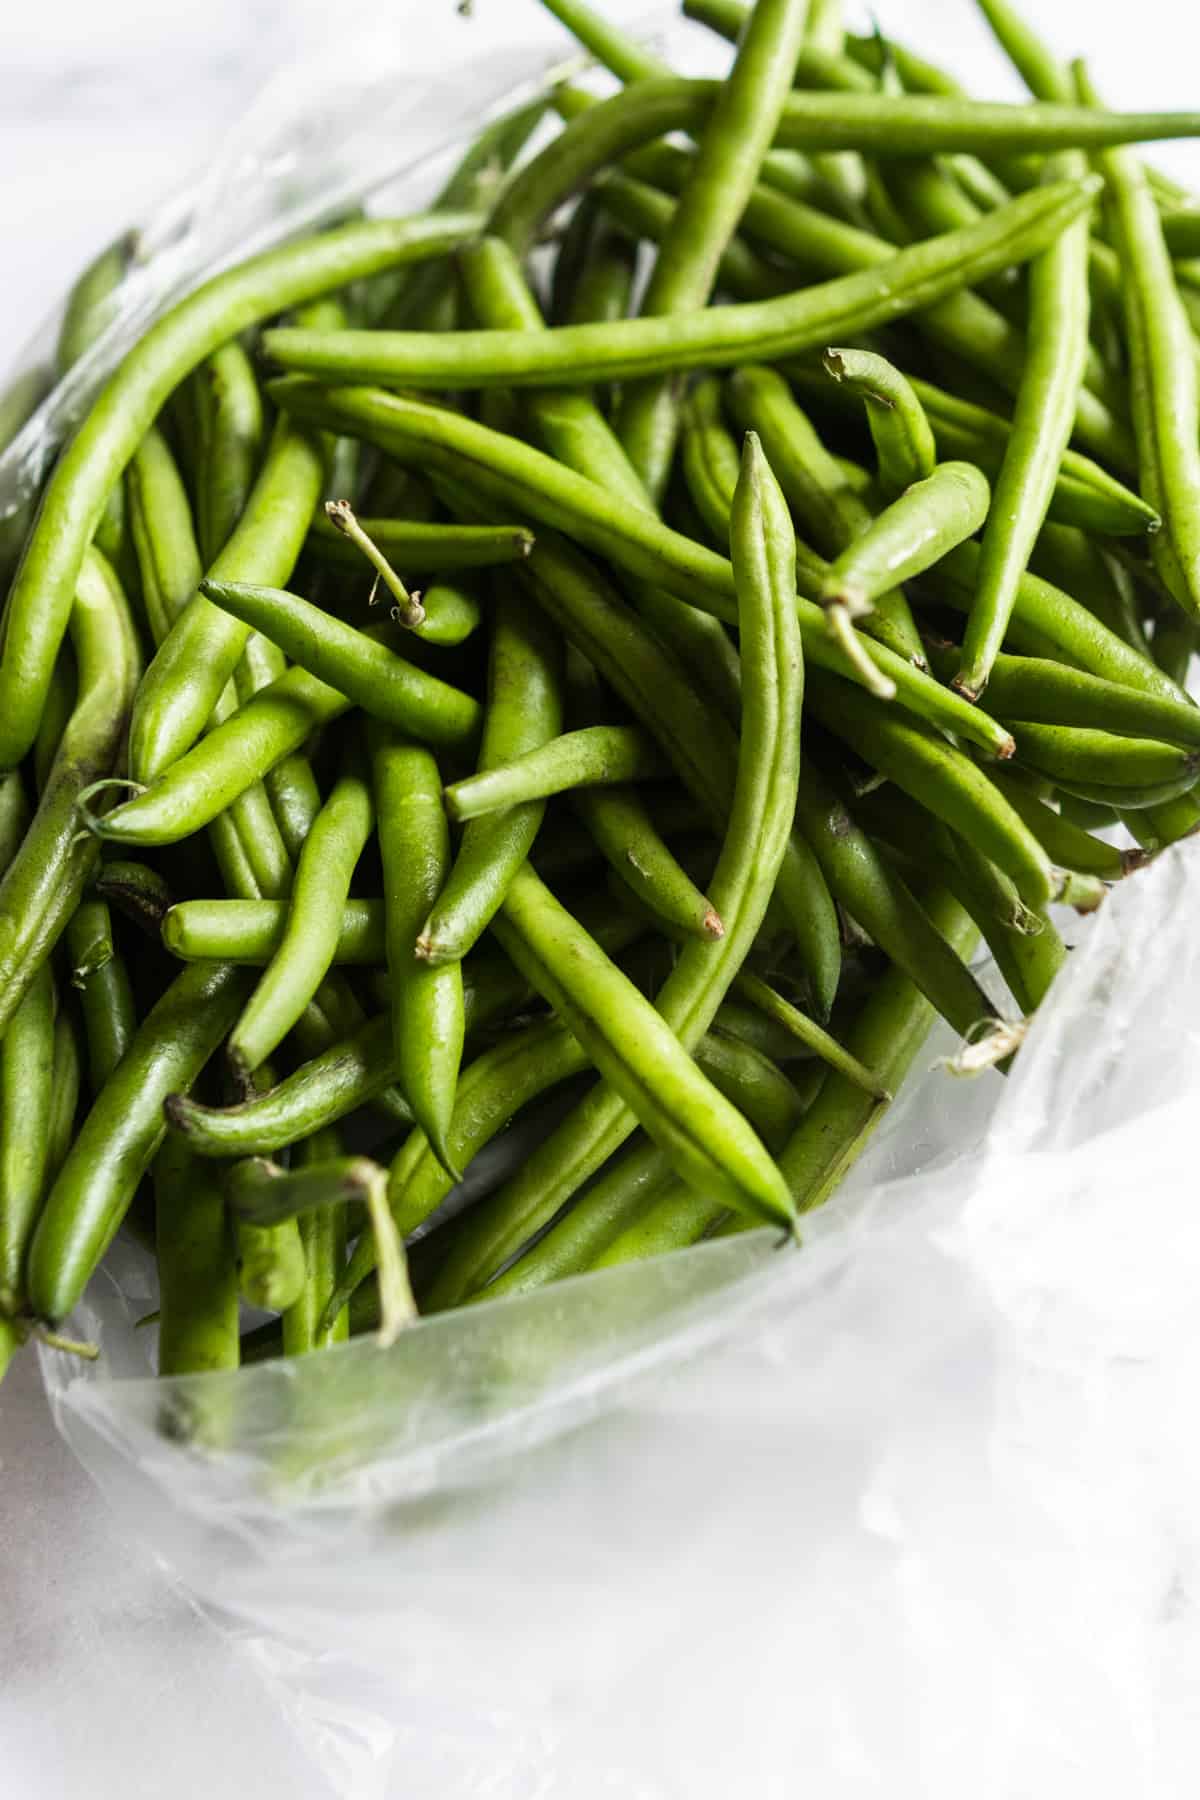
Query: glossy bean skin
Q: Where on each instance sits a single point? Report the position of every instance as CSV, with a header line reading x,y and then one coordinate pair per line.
x,y
929,519
1050,693
26,1106
1082,753
357,663
939,775
626,835
40,602
428,1024
197,1265
436,548
46,877
592,756
119,1138
763,331
905,447
231,440
101,979
886,909
309,944
523,711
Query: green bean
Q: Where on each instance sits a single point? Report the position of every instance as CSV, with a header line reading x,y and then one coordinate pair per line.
x,y
197,1271
735,138
623,1191
940,776
271,1269
929,519
310,940
1079,753
251,932
1127,797
1054,619
1033,689
818,492
763,331
498,466
595,755
815,1040
753,1084
428,548
66,1081
905,448
631,845
1073,561
121,1134
362,668
887,1036
60,703
99,975
43,591
1162,354
524,710
603,287
26,1106
493,1089
140,892
1066,843
160,521
92,301
643,211
46,877
427,999
757,836
323,1238
231,437
201,650
14,817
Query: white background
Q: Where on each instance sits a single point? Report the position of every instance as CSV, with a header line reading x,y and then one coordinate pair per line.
x,y
103,108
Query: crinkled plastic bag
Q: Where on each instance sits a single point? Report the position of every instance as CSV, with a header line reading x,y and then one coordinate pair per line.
x,y
911,1512
915,1510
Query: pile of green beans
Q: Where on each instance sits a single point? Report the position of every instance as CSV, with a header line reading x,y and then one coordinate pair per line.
x,y
752,643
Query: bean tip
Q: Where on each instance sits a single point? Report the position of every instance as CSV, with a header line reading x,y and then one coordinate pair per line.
x,y
714,926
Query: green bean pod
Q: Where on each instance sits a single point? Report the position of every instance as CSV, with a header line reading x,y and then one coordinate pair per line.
x,y
271,1269
1039,691
231,438
524,711
1066,844
905,447
197,1266
120,1136
427,999
323,1239
43,882
929,519
310,940
1081,753
99,975
631,845
26,1107
593,756
66,1082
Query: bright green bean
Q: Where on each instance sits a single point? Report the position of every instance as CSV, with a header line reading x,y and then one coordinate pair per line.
x,y
26,1106
905,447
197,1268
917,530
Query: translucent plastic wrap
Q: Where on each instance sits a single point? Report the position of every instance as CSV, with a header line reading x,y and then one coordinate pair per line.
x,y
911,1512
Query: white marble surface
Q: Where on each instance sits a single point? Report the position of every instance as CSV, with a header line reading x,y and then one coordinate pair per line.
x,y
109,1683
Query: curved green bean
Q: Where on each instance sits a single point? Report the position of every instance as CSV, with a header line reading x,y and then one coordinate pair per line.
x,y
905,447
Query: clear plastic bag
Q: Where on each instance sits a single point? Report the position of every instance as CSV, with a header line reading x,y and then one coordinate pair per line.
x,y
913,1511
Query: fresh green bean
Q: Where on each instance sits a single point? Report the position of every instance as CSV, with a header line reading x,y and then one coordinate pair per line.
x,y
202,648
231,437
631,845
905,447
46,877
99,976
818,492
66,1081
26,1106
764,331
271,1268
1038,691
363,669
42,595
310,940
427,998
197,1269
929,519
816,1041
427,548
323,1238
595,755
119,1138
1066,844
1079,753
140,892
524,710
